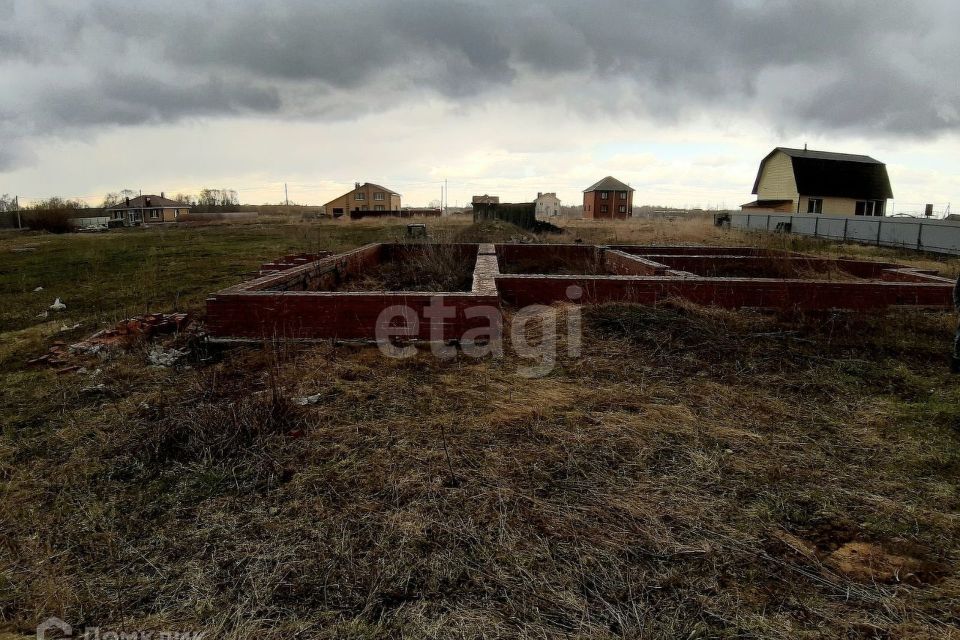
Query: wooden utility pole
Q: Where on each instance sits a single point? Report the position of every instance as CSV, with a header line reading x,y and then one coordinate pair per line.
x,y
16,206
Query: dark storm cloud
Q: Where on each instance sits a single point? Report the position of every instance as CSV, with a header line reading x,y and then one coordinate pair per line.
x,y
887,68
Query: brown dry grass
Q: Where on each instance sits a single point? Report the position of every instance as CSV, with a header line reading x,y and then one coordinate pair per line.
x,y
694,473
426,267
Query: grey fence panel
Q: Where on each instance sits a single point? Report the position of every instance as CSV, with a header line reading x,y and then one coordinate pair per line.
x,y
804,225
896,234
863,229
940,237
779,219
833,228
937,236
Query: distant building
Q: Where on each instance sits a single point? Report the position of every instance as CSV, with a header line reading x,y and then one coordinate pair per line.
x,y
364,197
608,199
820,182
547,206
147,210
485,199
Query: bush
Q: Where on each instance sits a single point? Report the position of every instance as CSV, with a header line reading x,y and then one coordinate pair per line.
x,y
54,215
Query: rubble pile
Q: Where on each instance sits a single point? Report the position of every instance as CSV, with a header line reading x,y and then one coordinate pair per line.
x,y
123,335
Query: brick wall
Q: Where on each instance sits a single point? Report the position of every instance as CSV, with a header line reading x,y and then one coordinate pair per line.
x,y
575,253
624,264
725,292
288,304
316,315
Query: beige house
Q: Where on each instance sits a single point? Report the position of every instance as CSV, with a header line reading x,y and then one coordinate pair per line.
x,y
821,182
364,197
547,205
147,210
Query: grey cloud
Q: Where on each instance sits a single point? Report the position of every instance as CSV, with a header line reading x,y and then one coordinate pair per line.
x,y
889,68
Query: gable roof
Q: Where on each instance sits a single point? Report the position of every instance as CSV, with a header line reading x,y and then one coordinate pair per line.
x,y
140,202
609,184
377,186
838,175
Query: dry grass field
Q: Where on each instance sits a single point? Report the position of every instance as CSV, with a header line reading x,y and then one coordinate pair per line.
x,y
693,473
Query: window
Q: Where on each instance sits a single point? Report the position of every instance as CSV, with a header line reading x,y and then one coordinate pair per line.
x,y
378,195
814,205
869,208
604,195
623,195
623,208
378,207
603,208
359,196
338,209
154,214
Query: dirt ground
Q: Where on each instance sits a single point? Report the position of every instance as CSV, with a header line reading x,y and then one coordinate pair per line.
x,y
677,471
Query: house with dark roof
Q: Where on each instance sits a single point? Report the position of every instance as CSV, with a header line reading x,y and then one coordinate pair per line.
x,y
147,209
608,199
820,182
364,197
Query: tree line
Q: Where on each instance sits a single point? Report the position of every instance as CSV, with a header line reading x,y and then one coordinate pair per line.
x,y
56,214
207,201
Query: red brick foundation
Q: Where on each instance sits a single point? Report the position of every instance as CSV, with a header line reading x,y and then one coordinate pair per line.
x,y
296,303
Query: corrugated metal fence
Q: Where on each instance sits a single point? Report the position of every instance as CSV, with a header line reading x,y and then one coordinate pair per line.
x,y
937,236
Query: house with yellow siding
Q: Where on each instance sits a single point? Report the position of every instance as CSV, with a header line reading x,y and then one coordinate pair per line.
x,y
363,197
820,182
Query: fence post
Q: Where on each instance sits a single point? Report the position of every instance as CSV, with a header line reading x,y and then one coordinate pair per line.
x,y
748,222
920,236
816,227
879,226
846,221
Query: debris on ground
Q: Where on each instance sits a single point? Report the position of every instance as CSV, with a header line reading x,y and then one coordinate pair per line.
x,y
124,335
38,289
43,314
64,327
57,305
86,348
128,331
96,389
306,400
57,357
160,357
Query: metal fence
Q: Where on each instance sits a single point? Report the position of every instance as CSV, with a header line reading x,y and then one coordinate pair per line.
x,y
936,236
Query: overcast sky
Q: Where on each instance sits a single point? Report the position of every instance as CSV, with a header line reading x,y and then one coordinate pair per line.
x,y
681,99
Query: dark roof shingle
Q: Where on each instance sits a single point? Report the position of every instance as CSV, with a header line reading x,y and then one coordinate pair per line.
x,y
609,184
140,202
837,175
